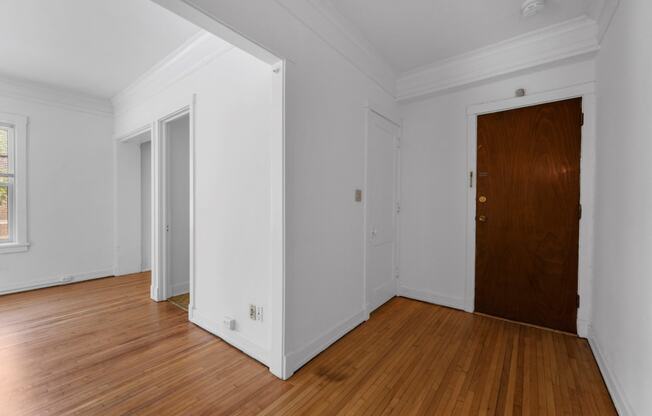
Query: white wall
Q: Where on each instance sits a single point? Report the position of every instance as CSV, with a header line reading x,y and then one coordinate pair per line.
x,y
232,188
325,129
179,205
622,320
434,181
146,205
69,197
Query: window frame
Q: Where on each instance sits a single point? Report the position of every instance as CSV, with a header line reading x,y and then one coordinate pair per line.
x,y
17,200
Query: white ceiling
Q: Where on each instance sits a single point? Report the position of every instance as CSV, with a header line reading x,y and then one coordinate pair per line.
x,y
97,47
413,33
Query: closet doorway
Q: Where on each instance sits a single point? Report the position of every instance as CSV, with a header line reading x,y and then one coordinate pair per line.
x,y
176,206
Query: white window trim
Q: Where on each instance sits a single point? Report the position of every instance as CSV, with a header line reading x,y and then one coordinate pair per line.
x,y
19,210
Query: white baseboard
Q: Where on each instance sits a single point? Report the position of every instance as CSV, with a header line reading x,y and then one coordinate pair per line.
x,y
583,328
179,288
617,395
381,296
230,337
296,359
153,294
125,271
431,297
56,281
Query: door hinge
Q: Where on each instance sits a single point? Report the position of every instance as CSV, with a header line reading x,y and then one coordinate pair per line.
x,y
471,179
398,207
581,119
579,212
578,301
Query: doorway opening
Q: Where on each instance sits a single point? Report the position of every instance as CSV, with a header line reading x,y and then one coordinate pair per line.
x,y
176,178
146,205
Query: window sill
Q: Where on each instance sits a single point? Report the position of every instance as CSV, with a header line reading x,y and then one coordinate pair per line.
x,y
6,248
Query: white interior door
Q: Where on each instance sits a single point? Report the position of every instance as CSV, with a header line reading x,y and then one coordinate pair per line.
x,y
381,206
178,206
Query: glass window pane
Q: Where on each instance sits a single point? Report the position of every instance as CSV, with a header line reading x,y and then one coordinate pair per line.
x,y
4,212
4,151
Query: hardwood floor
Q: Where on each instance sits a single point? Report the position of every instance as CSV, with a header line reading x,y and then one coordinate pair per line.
x,y
103,348
181,301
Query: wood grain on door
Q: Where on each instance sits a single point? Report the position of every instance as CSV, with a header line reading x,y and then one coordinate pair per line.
x,y
528,209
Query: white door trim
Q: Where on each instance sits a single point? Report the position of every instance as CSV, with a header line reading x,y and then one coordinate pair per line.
x,y
277,362
587,185
133,136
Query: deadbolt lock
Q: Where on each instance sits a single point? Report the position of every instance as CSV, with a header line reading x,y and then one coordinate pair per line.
x,y
482,199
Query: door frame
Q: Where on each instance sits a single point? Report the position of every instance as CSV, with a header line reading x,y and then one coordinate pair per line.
x,y
159,283
161,255
370,111
586,91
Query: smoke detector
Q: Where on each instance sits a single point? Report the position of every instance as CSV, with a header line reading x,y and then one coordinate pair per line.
x,y
532,7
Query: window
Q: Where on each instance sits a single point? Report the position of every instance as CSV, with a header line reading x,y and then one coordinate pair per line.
x,y
6,181
13,221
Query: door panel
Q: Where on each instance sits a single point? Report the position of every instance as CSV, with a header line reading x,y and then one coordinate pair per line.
x,y
380,205
527,205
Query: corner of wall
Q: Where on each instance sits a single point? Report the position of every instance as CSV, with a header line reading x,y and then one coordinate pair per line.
x,y
231,337
298,358
613,385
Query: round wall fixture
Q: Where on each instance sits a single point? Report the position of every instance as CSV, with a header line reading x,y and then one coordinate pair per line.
x,y
532,7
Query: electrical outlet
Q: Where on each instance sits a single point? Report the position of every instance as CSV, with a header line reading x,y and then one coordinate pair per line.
x,y
255,312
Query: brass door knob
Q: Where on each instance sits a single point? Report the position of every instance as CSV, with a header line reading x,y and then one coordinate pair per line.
x,y
482,218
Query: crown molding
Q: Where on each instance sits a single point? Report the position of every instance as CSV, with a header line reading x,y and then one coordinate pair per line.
x,y
575,37
603,11
317,16
45,94
328,9
205,19
325,21
194,54
386,73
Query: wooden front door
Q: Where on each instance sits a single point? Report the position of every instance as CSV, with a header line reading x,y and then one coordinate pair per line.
x,y
527,214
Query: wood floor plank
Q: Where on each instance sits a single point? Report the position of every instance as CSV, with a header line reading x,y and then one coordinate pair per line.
x,y
104,348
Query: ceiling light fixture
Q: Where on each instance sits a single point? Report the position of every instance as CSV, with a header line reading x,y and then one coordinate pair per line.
x,y
532,7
